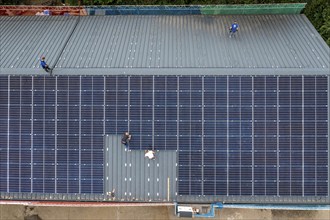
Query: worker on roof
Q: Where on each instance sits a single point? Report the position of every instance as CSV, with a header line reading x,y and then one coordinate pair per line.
x,y
233,29
151,154
44,65
126,138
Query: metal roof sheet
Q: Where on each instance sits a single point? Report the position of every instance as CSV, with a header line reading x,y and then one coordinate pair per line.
x,y
136,178
103,44
25,39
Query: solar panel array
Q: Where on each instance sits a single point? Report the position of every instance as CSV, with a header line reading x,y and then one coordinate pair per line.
x,y
253,136
235,135
51,135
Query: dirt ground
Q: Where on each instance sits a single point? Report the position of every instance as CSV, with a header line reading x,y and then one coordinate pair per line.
x,y
18,212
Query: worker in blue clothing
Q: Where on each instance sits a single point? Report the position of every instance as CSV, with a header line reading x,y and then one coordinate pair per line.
x,y
233,29
44,65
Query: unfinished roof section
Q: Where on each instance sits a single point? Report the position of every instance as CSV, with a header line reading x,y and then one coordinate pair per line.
x,y
193,44
134,178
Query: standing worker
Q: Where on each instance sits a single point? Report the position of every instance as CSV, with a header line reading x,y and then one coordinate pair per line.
x,y
45,66
233,29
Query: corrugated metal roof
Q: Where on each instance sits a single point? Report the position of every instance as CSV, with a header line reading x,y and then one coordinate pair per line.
x,y
195,41
136,178
174,42
25,39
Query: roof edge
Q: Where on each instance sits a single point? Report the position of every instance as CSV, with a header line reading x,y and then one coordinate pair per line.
x,y
256,199
168,71
237,9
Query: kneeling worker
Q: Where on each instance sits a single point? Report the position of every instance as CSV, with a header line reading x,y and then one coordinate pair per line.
x,y
150,154
126,138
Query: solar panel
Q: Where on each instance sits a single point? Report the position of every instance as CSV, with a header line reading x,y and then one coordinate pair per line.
x,y
235,135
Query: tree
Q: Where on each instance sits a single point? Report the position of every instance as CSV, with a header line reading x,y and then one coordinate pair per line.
x,y
325,31
318,12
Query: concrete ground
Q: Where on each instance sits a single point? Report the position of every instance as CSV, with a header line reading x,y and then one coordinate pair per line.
x,y
18,212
